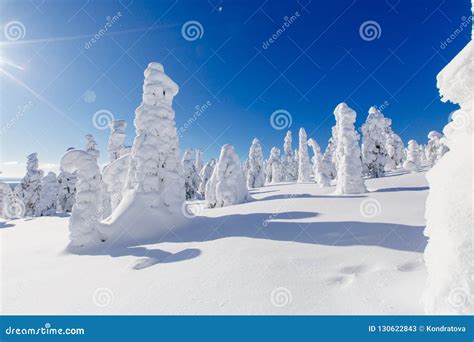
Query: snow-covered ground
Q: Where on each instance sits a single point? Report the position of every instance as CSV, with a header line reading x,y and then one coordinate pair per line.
x,y
295,249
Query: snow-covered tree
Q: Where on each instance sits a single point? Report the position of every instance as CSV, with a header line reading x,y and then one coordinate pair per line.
x,y
83,223
329,168
5,191
374,153
412,163
395,150
114,176
199,160
155,167
116,139
435,148
256,172
205,175
191,176
304,167
47,205
28,191
274,167
349,165
290,168
449,211
91,146
227,184
319,171
67,190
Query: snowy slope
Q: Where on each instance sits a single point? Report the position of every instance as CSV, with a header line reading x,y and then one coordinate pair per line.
x,y
296,249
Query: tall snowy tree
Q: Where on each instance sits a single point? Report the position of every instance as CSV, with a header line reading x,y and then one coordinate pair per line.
x,y
329,168
47,205
319,171
395,150
205,175
114,176
290,168
5,191
83,223
412,163
227,184
449,211
304,167
117,138
349,165
274,168
199,160
67,189
374,153
435,148
256,172
91,146
28,191
191,176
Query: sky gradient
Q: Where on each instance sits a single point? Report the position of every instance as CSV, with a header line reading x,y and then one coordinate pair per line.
x,y
73,59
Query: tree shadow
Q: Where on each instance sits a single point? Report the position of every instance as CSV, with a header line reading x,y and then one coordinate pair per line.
x,y
291,196
6,225
414,188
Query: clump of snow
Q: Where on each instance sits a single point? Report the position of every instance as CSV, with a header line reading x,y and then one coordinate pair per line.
x,y
449,220
304,167
290,166
256,172
227,184
413,161
349,165
117,138
319,171
191,176
274,168
83,223
374,153
205,175
47,204
28,191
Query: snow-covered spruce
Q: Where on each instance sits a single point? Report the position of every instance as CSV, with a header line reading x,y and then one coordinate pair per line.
x,y
320,176
114,176
349,165
304,167
199,160
274,169
5,191
191,176
116,145
205,175
449,253
28,191
290,167
374,153
435,148
329,168
67,190
412,163
395,150
91,146
83,223
47,205
227,184
256,172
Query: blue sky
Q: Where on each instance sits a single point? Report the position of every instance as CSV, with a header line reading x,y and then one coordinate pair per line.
x,y
319,60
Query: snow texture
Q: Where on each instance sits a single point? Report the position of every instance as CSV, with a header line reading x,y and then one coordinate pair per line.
x,y
256,172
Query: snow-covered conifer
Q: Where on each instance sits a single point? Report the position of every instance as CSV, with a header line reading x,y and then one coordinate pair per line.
x,y
374,153
395,150
191,176
67,190
30,186
349,165
227,184
47,205
83,223
199,160
91,146
290,168
116,139
412,163
256,172
205,175
304,167
114,176
274,168
320,176
329,168
5,191
435,148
